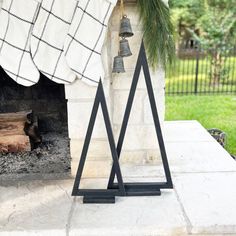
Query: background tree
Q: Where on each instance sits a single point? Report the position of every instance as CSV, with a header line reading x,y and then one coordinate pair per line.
x,y
185,14
210,22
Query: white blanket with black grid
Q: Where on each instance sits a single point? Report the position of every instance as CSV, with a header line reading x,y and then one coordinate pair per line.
x,y
85,39
16,20
48,37
81,49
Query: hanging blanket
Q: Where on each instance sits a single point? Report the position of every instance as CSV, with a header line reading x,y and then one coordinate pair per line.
x,y
48,37
17,18
66,41
85,39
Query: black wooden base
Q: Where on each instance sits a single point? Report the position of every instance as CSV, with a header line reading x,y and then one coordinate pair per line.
x,y
99,199
140,189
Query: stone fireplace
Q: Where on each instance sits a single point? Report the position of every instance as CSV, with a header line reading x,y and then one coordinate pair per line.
x,y
73,105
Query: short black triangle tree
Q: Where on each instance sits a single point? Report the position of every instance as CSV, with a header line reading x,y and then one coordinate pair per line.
x,y
99,195
147,188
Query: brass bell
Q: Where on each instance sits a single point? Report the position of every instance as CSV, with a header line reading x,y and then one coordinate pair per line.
x,y
125,27
118,65
124,48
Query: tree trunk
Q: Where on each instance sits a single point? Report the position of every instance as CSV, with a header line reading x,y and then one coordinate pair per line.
x,y
217,65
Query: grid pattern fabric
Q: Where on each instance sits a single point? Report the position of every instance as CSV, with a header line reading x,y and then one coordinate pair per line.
x,y
48,37
60,38
17,18
85,39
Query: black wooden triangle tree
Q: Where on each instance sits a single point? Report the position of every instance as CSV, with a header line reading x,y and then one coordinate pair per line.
x,y
143,189
99,195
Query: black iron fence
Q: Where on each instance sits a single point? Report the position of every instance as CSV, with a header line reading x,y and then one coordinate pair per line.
x,y
199,70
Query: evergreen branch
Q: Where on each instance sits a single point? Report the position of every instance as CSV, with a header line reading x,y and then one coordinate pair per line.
x,y
158,32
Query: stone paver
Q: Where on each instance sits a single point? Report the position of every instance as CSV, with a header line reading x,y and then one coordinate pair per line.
x,y
35,208
130,216
208,200
199,157
185,131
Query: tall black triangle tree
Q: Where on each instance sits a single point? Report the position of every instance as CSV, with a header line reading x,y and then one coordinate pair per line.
x,y
142,189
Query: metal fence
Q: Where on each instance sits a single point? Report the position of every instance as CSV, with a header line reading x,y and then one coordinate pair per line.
x,y
198,70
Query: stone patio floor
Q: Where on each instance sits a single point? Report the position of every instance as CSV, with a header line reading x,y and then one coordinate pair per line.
x,y
203,201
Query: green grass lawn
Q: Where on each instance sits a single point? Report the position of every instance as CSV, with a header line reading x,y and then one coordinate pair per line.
x,y
211,111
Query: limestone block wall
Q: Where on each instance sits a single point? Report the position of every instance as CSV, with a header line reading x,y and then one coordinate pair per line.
x,y
140,135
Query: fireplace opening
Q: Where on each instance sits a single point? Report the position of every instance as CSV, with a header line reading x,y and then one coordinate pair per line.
x,y
46,107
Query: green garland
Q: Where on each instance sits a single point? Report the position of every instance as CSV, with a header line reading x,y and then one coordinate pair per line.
x,y
158,32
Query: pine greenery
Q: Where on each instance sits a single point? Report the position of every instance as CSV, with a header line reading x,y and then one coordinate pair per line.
x,y
158,32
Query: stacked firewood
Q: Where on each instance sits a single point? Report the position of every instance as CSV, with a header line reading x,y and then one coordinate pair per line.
x,y
18,132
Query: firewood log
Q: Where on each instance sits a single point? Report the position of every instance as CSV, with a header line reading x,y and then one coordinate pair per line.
x,y
17,130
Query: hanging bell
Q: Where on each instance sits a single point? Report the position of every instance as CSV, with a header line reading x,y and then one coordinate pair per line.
x,y
118,65
124,48
125,27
